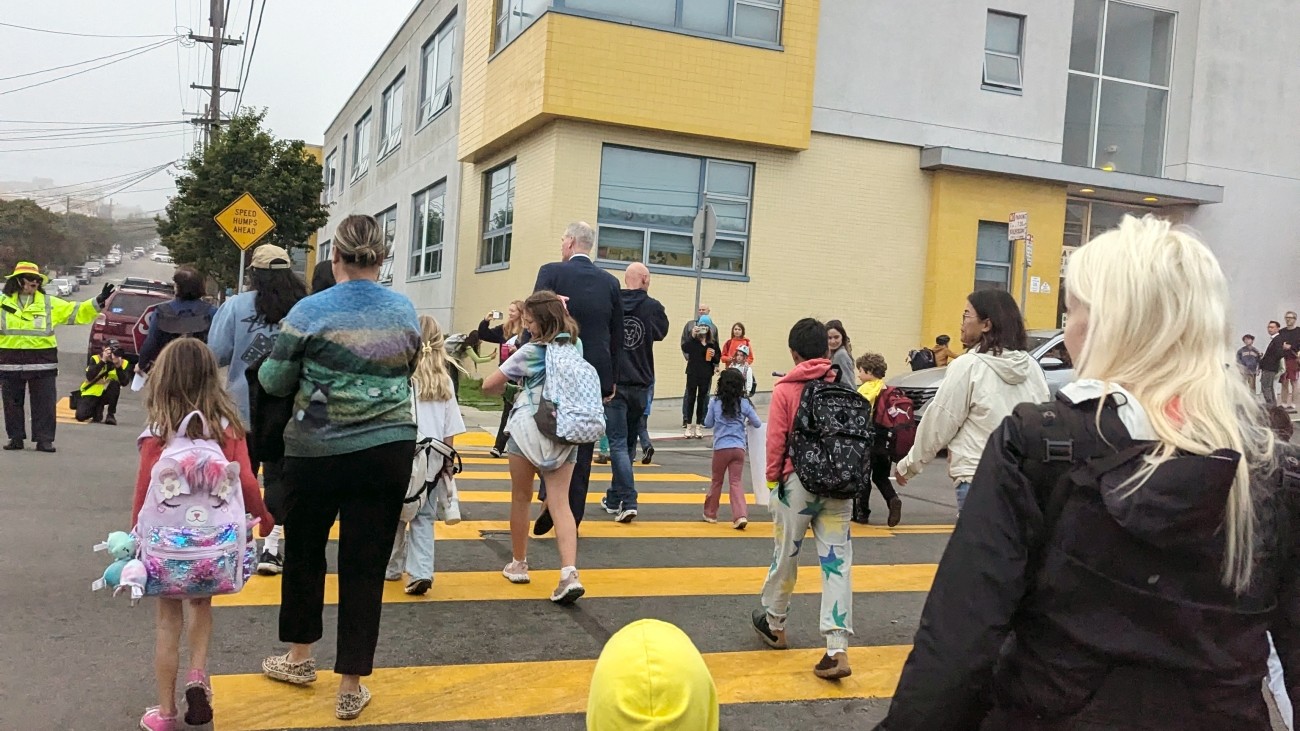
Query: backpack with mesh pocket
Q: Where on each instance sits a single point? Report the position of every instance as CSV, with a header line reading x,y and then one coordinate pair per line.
x,y
571,409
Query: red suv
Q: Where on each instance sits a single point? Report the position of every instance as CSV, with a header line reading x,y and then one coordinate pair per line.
x,y
120,314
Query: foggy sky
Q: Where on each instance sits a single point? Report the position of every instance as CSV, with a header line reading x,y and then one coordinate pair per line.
x,y
310,56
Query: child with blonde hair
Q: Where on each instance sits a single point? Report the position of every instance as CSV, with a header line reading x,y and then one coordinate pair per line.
x,y
184,379
437,416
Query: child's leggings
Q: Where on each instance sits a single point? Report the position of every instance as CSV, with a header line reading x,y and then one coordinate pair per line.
x,y
732,462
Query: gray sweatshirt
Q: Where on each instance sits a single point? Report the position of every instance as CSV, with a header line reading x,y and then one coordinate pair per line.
x,y
239,338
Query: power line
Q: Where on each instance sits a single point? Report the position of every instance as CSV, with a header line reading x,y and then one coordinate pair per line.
x,y
87,134
243,56
80,35
52,188
251,52
80,63
169,135
92,68
65,122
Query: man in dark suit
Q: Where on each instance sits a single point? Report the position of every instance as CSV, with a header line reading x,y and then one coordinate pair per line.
x,y
595,302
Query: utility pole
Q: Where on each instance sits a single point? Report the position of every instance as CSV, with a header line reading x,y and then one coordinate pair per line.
x,y
217,18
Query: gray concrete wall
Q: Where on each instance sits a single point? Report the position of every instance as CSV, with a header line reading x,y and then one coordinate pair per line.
x,y
427,155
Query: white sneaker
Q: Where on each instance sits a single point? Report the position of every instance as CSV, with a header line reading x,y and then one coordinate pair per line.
x,y
740,523
568,590
686,431
707,519
625,516
516,572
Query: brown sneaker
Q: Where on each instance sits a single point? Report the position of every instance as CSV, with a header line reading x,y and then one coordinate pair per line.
x,y
774,638
280,668
833,667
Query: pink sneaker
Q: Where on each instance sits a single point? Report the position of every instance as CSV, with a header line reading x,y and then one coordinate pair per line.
x,y
153,720
198,699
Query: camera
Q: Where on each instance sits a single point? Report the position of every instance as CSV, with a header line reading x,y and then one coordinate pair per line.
x,y
115,348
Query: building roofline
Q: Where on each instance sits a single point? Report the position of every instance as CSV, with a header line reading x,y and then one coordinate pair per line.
x,y
1123,186
375,65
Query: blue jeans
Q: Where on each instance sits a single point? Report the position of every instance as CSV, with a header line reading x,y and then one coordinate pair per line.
x,y
643,429
413,546
622,421
962,489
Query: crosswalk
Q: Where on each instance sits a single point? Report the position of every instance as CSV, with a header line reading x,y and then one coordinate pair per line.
x,y
671,565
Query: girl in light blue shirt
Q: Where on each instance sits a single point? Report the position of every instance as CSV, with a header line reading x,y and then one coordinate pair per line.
x,y
729,413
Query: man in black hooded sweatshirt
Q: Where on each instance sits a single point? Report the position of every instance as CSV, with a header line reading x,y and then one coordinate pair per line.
x,y
644,323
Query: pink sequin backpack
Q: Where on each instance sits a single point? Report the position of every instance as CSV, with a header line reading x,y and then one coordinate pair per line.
x,y
193,533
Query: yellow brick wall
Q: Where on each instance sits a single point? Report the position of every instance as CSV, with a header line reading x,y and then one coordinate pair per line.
x,y
958,203
839,231
580,68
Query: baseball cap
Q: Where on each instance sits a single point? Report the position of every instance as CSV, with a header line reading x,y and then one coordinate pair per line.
x,y
269,256
743,350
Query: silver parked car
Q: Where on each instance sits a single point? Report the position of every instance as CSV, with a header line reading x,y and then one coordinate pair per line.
x,y
60,287
1045,346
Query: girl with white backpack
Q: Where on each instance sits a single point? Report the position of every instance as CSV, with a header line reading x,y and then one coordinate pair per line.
x,y
437,416
534,453
190,414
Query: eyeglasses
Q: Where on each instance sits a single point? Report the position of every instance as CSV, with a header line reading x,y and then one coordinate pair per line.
x,y
28,278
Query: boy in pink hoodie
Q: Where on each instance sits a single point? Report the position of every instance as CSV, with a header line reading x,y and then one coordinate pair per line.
x,y
796,509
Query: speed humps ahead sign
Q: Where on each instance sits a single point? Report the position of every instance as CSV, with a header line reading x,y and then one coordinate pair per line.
x,y
244,221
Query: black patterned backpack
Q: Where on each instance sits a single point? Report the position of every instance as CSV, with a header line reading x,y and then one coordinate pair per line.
x,y
830,439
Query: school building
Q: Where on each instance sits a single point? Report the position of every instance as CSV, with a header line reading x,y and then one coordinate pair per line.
x,y
864,160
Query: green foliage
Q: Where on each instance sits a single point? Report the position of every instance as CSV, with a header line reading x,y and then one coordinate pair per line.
x,y
471,394
29,232
242,157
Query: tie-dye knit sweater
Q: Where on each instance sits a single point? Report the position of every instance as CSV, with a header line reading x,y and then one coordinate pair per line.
x,y
346,355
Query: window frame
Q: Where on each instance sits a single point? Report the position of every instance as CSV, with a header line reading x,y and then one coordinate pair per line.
x,y
390,260
1009,265
703,195
360,142
1019,56
425,112
324,251
330,171
1099,79
420,248
391,134
506,10
505,232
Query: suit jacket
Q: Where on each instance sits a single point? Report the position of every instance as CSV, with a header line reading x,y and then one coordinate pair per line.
x,y
597,305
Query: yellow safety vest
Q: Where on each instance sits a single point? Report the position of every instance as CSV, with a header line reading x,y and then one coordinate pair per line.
x,y
96,389
27,341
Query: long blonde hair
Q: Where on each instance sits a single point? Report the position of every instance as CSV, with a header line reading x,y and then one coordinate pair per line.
x,y
511,328
432,381
1157,303
184,378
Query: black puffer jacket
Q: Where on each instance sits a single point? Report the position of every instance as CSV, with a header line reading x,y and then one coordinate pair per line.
x,y
1120,620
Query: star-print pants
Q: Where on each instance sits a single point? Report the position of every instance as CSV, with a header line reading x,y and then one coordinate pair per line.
x,y
793,511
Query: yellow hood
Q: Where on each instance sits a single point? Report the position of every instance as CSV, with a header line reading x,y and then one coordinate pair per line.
x,y
650,677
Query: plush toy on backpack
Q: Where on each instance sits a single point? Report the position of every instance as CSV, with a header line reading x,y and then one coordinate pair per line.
x,y
126,573
192,529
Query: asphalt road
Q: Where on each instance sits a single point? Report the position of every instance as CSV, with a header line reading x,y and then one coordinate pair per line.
x,y
478,653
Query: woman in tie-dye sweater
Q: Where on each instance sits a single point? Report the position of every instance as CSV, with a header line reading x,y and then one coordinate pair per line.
x,y
346,355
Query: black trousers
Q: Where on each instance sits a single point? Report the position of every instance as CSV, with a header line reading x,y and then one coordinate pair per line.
x,y
93,407
501,429
364,490
696,397
273,487
880,467
44,388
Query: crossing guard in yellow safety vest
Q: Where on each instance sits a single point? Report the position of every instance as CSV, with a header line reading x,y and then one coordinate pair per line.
x,y
29,351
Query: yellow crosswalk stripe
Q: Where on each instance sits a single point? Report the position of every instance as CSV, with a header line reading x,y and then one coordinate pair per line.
x,y
473,530
501,461
653,477
64,414
458,586
481,692
475,439
593,498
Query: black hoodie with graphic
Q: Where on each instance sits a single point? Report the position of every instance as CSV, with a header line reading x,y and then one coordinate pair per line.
x,y
644,323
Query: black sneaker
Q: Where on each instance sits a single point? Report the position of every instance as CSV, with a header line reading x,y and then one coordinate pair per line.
x,y
774,638
647,455
111,420
47,447
543,524
269,564
13,445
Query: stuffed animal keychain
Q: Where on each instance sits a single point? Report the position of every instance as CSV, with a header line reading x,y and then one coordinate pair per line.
x,y
126,573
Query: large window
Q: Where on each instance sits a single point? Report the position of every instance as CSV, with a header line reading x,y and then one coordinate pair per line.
x,y
427,208
390,116
1003,48
388,220
992,257
361,146
435,71
330,173
1118,94
754,20
498,216
649,200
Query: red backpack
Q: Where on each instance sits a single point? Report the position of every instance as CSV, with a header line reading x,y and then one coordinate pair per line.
x,y
893,416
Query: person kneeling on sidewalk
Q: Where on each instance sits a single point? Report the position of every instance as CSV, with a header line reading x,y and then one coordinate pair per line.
x,y
795,509
103,386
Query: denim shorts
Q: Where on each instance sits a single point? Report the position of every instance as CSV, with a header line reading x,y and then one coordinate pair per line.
x,y
512,448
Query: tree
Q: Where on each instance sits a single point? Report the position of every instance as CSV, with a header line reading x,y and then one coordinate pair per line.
x,y
29,232
242,157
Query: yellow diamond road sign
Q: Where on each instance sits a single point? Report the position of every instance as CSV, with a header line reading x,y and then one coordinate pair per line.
x,y
244,221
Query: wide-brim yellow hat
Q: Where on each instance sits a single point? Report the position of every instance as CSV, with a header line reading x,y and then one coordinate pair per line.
x,y
26,267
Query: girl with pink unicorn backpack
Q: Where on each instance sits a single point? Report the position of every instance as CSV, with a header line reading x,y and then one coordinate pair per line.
x,y
194,492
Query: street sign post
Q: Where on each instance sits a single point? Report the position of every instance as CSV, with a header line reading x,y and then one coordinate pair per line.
x,y
704,234
245,222
1024,278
